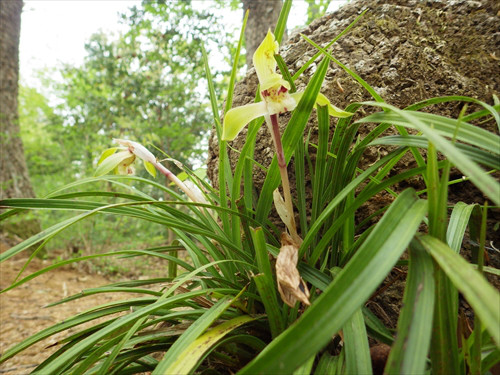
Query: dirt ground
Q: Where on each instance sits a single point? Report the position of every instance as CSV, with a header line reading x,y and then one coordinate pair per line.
x,y
22,311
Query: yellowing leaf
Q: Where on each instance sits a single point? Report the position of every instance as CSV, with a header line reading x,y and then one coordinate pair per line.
x,y
283,213
188,359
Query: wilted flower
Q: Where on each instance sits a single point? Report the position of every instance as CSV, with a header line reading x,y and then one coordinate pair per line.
x,y
290,285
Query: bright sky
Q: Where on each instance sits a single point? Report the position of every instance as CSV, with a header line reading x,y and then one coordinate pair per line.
x,y
54,31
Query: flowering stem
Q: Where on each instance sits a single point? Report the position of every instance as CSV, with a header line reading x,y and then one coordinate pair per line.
x,y
172,177
272,123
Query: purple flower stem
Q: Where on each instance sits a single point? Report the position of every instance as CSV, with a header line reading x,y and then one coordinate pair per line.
x,y
172,177
272,122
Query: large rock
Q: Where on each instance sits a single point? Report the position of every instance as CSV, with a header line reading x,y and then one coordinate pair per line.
x,y
408,50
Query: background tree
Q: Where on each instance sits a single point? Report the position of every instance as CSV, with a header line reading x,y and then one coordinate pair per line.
x,y
262,16
148,84
316,9
14,179
44,153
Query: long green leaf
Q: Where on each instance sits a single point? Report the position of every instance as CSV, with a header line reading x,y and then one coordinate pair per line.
x,y
348,291
491,110
354,75
431,128
483,297
479,156
320,179
280,28
342,33
444,344
123,209
458,224
357,351
328,364
444,126
125,321
234,70
409,352
266,284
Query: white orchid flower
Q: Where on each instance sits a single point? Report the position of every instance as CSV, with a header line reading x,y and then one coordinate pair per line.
x,y
274,91
122,163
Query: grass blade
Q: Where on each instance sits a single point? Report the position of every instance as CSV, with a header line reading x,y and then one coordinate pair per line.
x,y
487,184
458,224
280,28
444,126
234,70
194,331
479,156
266,284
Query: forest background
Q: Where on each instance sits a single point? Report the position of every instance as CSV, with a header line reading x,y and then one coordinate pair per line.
x,y
140,78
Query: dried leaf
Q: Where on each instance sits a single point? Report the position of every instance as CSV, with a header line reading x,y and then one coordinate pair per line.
x,y
290,285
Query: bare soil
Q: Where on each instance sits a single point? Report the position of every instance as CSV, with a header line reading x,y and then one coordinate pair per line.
x,y
22,311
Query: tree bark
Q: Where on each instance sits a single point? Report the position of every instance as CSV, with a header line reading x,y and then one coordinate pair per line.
x,y
14,179
263,15
386,47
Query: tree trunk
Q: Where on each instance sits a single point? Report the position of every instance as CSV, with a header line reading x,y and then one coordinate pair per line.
x,y
14,180
263,15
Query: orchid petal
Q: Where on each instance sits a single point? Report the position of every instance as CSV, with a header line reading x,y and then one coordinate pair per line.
x,y
237,118
323,100
137,149
113,161
332,110
150,168
265,64
126,167
106,153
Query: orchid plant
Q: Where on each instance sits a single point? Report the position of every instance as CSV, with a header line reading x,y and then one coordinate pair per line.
x,y
277,99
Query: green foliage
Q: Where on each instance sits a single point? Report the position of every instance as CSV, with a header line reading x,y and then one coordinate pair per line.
x,y
146,84
39,130
316,9
220,310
